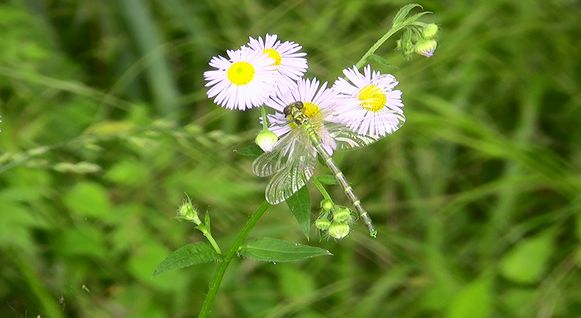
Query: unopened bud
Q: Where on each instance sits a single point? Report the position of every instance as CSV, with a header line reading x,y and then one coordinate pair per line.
x,y
338,230
342,215
322,224
266,140
426,47
187,212
327,205
430,31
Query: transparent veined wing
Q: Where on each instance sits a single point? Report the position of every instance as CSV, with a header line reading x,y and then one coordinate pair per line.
x,y
346,138
270,162
292,177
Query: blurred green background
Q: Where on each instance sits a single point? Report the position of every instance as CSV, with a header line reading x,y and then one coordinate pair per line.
x,y
106,127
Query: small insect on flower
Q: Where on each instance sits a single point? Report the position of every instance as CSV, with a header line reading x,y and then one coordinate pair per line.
x,y
243,81
290,64
369,104
302,121
317,102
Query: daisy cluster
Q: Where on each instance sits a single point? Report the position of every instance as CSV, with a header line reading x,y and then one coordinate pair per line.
x,y
268,72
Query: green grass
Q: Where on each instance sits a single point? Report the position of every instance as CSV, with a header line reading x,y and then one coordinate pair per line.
x,y
476,197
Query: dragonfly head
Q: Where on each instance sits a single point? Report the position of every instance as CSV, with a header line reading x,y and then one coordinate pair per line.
x,y
293,111
290,109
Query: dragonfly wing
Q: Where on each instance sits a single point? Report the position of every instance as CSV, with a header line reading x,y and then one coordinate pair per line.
x,y
270,162
293,176
346,138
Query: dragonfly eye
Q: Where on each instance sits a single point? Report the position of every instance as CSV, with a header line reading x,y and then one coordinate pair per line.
x,y
287,110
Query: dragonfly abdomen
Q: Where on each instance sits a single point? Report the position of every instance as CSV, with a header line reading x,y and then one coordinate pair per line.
x,y
316,141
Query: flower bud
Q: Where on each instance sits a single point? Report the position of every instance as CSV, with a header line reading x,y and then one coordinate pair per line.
x,y
266,140
426,47
187,212
322,224
327,205
430,31
338,230
342,215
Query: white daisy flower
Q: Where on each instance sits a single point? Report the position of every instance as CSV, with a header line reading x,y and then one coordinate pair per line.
x,y
290,64
318,102
241,82
369,105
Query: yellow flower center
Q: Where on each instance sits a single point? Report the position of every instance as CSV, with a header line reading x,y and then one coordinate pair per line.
x,y
240,73
311,110
372,98
273,54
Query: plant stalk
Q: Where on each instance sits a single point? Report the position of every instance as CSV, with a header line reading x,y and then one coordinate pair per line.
x,y
376,46
219,274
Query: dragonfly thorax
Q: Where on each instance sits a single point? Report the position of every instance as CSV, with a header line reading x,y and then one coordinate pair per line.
x,y
294,113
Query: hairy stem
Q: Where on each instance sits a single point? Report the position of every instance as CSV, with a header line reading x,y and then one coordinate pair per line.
x,y
264,117
219,274
210,239
321,189
376,46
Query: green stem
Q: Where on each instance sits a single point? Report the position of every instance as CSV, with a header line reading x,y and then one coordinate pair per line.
x,y
219,275
210,238
376,46
322,189
264,117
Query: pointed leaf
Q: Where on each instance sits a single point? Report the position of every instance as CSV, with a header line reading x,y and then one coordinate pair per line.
x,y
403,12
474,300
300,205
207,221
327,179
527,261
273,250
251,151
412,20
191,254
385,65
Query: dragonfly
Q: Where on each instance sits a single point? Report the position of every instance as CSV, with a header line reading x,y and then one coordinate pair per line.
x,y
292,161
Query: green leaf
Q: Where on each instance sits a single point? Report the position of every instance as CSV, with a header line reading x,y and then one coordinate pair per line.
x,y
300,205
294,283
83,241
327,179
527,261
474,300
412,20
251,151
403,12
88,199
207,221
188,255
273,250
385,65
128,173
145,257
